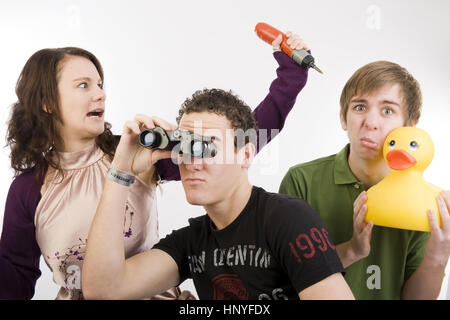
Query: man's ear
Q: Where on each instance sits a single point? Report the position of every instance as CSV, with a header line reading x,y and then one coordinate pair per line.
x,y
412,123
248,154
343,121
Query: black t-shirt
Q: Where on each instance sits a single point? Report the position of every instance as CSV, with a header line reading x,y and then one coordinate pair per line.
x,y
274,249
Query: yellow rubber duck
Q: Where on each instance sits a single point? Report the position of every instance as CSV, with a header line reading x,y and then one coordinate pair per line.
x,y
403,198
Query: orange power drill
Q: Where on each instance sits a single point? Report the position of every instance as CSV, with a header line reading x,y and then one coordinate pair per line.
x,y
269,33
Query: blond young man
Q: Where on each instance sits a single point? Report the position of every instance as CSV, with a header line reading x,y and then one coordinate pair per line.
x,y
380,262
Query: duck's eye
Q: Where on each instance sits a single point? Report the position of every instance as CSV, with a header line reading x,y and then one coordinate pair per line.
x,y
413,145
391,143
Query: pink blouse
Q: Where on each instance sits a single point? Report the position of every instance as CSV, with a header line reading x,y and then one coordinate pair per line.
x,y
66,210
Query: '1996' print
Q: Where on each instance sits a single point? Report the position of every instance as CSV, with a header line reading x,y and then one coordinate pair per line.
x,y
306,244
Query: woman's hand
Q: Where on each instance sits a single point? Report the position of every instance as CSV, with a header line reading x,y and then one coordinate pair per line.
x,y
293,40
130,156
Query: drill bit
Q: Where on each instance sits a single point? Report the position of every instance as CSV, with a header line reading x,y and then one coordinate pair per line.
x,y
303,58
317,68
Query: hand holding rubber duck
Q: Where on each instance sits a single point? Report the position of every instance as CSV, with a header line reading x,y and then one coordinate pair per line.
x,y
403,199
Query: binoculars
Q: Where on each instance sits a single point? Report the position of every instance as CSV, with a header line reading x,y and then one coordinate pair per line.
x,y
189,143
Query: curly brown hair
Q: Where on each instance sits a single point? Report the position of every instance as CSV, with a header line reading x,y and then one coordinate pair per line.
x,y
224,103
32,133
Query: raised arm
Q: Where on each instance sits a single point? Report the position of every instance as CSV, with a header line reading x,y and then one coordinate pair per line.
x,y
272,112
106,273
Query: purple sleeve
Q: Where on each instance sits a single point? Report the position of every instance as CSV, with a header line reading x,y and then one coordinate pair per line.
x,y
269,114
167,170
274,109
19,251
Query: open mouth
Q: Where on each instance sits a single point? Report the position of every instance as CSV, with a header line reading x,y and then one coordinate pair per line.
x,y
96,113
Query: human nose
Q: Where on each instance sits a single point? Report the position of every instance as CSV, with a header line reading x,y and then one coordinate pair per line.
x,y
372,121
99,94
191,163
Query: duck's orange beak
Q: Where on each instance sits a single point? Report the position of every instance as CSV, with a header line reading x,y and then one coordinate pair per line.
x,y
400,160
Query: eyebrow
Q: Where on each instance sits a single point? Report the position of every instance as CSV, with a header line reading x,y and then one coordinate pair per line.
x,y
212,137
86,79
365,101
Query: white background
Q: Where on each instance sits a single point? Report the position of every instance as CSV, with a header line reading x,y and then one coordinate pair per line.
x,y
157,53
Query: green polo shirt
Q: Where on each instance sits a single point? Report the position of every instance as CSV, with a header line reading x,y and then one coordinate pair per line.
x,y
329,186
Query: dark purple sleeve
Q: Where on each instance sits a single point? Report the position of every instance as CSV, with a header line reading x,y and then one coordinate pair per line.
x,y
19,251
269,114
274,109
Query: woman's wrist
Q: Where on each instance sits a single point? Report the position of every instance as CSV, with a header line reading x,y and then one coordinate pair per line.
x,y
122,165
120,177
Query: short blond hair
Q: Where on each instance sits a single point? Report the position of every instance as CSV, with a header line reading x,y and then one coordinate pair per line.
x,y
377,74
